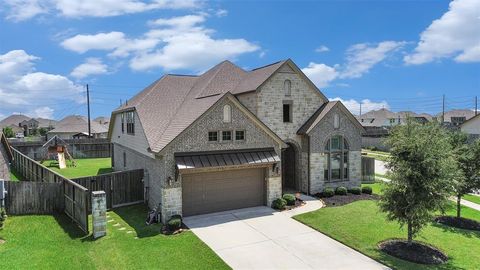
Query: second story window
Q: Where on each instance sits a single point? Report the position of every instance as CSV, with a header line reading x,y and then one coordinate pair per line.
x,y
226,135
227,114
122,116
212,136
287,111
130,117
239,135
287,88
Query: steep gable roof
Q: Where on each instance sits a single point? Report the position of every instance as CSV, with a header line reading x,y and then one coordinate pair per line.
x,y
13,120
77,124
172,103
322,112
471,119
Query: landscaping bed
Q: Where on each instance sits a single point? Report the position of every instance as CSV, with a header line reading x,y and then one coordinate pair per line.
x,y
462,223
340,200
415,252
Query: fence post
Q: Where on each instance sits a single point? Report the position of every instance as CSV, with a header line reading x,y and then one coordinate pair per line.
x,y
99,213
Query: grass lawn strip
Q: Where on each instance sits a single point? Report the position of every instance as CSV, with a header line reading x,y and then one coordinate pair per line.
x,y
472,198
53,242
361,226
85,167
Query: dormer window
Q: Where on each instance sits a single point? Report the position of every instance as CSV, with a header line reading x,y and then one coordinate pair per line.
x,y
287,88
227,114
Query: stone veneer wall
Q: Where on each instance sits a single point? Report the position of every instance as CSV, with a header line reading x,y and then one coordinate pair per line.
x,y
154,171
305,101
195,139
318,138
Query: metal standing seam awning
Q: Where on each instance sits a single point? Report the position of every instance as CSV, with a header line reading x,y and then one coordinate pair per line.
x,y
226,158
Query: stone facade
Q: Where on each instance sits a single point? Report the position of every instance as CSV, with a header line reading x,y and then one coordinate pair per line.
x,y
318,160
304,99
99,213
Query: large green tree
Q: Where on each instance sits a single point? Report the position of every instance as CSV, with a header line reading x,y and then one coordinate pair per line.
x,y
421,168
467,157
8,132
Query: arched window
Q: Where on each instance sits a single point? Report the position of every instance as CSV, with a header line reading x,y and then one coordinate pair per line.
x,y
227,114
336,163
287,88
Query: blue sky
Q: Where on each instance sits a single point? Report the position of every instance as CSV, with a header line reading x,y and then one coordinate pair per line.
x,y
402,55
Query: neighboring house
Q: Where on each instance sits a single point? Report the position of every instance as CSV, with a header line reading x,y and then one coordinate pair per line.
x,y
29,126
76,126
231,138
102,120
472,127
5,158
386,118
13,120
455,117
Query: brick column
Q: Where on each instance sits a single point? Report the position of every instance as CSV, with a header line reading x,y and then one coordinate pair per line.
x,y
99,213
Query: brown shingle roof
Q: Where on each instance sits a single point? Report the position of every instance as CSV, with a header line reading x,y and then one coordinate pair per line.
x,y
77,124
172,103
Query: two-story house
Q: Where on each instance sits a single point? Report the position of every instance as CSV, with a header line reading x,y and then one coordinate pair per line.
x,y
231,138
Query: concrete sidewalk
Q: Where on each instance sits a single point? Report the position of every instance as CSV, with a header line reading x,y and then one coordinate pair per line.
x,y
262,238
470,204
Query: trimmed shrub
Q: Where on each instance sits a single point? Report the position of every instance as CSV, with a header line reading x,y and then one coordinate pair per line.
x,y
341,191
355,190
279,204
367,190
174,224
328,192
290,198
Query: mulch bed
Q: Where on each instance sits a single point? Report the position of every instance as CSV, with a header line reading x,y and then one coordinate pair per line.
x,y
462,223
166,231
416,252
298,203
339,200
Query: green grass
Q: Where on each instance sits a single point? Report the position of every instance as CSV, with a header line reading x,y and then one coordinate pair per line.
x,y
362,226
53,242
376,187
378,155
472,198
85,167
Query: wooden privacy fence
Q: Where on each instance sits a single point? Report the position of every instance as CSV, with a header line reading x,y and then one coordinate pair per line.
x,y
76,203
31,170
33,198
121,188
368,169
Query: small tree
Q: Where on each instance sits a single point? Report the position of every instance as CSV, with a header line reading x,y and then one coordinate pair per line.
x,y
421,172
43,131
8,132
467,157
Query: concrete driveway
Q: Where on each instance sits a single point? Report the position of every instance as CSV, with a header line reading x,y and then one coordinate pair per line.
x,y
261,238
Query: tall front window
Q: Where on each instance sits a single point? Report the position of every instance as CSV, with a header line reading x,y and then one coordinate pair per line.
x,y
336,165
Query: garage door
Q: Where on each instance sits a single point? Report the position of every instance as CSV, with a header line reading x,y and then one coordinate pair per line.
x,y
220,191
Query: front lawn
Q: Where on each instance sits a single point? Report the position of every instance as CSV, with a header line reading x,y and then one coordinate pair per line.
x,y
53,242
85,167
362,226
472,198
376,187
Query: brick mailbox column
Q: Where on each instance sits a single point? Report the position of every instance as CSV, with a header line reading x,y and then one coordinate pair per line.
x,y
99,213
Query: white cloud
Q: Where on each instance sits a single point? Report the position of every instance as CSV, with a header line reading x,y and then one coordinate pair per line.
x,y
322,48
100,41
363,56
320,74
92,66
221,13
174,43
43,112
21,86
19,10
367,105
456,34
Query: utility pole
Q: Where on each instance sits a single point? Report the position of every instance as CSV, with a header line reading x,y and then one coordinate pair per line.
x,y
476,105
443,110
88,108
360,108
